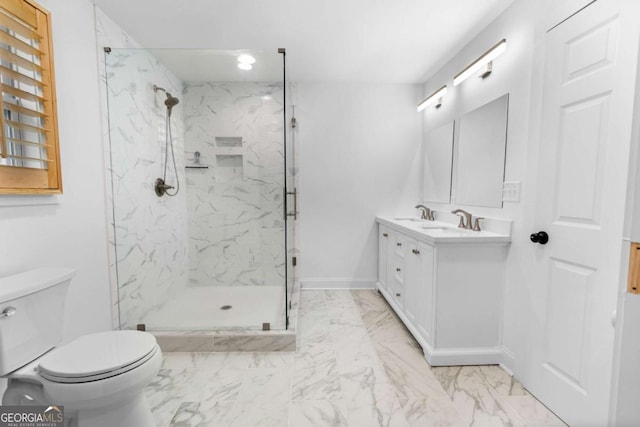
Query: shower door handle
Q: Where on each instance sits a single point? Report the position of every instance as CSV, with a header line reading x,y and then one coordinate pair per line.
x,y
293,193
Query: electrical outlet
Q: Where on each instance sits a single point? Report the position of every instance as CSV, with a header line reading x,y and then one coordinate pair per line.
x,y
511,191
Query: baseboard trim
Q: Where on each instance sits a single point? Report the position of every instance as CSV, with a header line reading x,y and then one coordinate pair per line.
x,y
337,283
508,359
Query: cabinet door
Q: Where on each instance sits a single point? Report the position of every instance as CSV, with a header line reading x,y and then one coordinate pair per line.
x,y
412,306
425,292
383,243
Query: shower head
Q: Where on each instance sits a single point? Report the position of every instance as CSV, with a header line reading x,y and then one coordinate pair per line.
x,y
170,102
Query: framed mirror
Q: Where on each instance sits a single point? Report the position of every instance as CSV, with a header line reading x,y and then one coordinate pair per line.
x,y
437,164
482,143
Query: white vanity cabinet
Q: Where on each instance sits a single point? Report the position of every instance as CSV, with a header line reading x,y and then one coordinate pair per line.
x,y
447,292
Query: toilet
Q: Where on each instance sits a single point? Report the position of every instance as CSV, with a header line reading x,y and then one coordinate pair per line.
x,y
99,378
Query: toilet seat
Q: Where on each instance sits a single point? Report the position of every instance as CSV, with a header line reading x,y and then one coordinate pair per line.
x,y
97,356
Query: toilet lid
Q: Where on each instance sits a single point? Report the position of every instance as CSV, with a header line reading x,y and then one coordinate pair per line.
x,y
97,356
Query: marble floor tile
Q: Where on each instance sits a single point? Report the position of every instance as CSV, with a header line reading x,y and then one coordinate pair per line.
x,y
200,414
259,415
503,383
362,386
476,402
210,362
430,412
316,383
408,371
386,411
318,413
164,396
532,411
271,359
265,386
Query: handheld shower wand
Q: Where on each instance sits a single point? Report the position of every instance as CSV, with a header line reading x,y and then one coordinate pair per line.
x,y
160,186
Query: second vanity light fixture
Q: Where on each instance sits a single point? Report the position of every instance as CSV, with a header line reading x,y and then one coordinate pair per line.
x,y
434,99
486,61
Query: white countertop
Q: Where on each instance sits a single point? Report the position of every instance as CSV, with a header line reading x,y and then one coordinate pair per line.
x,y
440,231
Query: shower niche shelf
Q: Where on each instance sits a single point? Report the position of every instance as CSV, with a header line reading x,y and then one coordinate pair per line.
x,y
229,141
229,158
229,167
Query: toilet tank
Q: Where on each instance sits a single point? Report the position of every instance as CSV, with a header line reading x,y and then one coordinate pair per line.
x,y
31,315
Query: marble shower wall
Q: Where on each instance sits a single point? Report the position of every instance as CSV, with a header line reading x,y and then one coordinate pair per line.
x,y
149,232
236,226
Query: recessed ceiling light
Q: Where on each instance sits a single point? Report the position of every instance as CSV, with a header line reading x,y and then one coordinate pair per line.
x,y
244,66
246,59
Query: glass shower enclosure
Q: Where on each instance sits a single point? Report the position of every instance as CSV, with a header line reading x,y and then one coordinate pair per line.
x,y
213,251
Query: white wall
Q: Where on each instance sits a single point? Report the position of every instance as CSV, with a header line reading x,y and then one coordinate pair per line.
x,y
359,149
71,232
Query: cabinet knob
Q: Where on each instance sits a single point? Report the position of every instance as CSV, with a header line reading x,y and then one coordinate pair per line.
x,y
415,251
398,269
385,234
398,244
397,294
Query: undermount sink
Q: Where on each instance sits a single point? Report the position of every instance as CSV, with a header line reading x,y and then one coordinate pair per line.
x,y
410,219
433,227
456,230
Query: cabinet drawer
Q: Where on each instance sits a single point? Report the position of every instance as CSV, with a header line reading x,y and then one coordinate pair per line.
x,y
398,268
400,245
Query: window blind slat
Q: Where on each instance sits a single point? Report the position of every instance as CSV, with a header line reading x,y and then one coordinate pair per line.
x,y
29,158
18,44
24,126
19,93
31,144
18,27
24,110
14,75
19,61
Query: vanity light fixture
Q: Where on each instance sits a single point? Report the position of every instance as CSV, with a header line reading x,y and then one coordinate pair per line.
x,y
434,99
483,63
244,66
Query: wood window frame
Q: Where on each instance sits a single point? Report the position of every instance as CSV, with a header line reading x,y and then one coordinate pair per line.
x,y
23,180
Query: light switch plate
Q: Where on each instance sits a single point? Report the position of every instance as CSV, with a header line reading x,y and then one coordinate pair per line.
x,y
511,191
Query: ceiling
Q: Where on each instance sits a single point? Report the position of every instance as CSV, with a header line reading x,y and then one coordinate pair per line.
x,y
382,41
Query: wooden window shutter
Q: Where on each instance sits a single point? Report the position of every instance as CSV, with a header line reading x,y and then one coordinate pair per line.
x,y
29,151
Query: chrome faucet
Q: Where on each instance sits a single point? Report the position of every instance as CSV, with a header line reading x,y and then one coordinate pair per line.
x,y
425,212
464,215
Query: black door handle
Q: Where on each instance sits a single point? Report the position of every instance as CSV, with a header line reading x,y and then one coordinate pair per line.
x,y
540,237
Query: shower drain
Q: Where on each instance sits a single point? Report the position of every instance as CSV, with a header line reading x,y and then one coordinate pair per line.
x,y
225,307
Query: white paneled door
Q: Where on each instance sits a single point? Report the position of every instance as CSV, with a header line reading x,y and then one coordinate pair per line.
x,y
589,87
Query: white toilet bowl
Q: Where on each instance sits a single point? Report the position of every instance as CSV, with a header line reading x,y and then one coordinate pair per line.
x,y
99,378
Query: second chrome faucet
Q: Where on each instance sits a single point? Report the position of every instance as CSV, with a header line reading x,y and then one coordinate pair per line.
x,y
465,220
